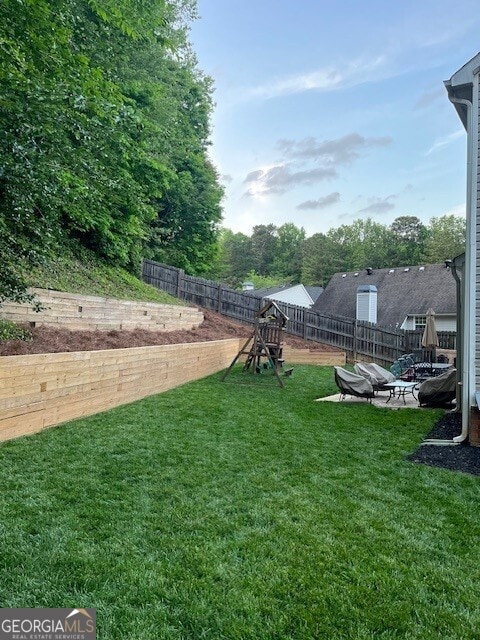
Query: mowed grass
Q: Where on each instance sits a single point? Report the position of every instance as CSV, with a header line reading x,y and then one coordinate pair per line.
x,y
242,511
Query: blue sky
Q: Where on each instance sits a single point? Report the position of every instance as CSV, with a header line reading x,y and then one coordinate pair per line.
x,y
327,112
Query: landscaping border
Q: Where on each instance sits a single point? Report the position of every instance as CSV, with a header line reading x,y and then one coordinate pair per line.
x,y
81,312
42,390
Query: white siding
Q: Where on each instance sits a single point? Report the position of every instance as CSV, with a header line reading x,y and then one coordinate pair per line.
x,y
442,323
294,295
476,124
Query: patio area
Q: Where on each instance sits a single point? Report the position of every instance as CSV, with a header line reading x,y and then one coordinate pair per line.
x,y
382,400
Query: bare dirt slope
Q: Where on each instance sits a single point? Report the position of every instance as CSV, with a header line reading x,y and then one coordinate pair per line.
x,y
214,327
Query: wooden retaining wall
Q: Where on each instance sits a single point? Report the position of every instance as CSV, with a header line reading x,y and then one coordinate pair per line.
x,y
39,391
77,312
321,358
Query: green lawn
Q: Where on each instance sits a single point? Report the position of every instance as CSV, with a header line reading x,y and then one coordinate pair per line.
x,y
242,511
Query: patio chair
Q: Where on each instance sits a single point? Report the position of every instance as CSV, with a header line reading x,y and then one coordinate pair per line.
x,y
396,369
406,364
351,384
375,374
439,391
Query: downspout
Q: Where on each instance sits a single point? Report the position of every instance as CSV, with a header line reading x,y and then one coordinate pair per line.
x,y
469,301
456,264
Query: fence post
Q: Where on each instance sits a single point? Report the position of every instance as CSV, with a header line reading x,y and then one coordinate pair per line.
x,y
180,278
355,339
219,297
305,312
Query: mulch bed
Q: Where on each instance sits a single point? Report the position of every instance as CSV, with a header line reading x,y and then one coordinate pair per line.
x,y
214,327
460,457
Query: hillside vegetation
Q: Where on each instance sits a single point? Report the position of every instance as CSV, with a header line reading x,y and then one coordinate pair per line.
x,y
88,275
85,275
105,123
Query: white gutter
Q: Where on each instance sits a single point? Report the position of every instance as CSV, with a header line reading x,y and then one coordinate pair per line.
x,y
469,303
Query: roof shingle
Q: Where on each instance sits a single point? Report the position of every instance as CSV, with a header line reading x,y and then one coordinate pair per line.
x,y
401,291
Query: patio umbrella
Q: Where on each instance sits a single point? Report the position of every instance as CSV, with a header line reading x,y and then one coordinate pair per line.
x,y
430,338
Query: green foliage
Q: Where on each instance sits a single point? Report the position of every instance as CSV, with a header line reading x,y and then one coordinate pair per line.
x,y
264,247
287,261
11,331
263,282
285,254
89,275
234,258
104,135
446,238
321,258
409,237
305,514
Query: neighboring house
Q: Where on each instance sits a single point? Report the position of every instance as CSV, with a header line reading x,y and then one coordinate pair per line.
x,y
296,294
463,91
393,298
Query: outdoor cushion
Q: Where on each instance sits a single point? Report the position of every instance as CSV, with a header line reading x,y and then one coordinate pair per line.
x,y
352,384
439,391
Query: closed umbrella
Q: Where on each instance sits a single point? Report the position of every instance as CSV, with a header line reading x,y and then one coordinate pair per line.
x,y
430,338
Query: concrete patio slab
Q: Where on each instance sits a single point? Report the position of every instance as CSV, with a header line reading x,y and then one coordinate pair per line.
x,y
380,400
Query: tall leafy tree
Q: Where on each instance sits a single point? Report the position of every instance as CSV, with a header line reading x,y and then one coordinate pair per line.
x,y
264,248
235,257
287,261
409,238
104,132
446,238
320,259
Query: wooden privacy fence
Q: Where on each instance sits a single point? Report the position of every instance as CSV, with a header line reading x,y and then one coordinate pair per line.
x,y
360,340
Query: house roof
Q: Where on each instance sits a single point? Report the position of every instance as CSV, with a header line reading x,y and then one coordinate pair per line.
x,y
402,292
314,292
267,292
460,86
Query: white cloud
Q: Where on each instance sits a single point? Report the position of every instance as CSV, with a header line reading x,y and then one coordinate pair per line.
x,y
320,203
324,79
430,97
278,179
445,141
379,205
341,151
322,158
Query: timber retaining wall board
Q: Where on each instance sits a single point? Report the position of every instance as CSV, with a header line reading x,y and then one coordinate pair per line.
x,y
77,312
321,358
42,390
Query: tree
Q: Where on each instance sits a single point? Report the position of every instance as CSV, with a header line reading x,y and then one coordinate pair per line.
x,y
264,247
362,243
446,238
239,247
320,259
262,282
287,262
409,237
104,122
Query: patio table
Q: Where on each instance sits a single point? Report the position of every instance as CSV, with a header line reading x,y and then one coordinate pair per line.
x,y
399,389
424,370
